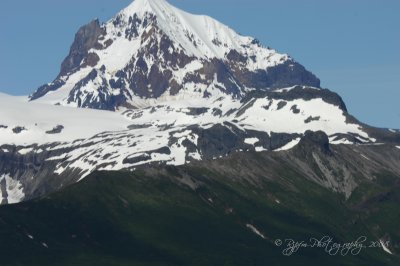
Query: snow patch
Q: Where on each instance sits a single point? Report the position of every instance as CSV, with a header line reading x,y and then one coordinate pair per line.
x,y
195,156
291,88
251,141
365,157
339,141
14,189
290,145
255,230
384,247
118,55
25,151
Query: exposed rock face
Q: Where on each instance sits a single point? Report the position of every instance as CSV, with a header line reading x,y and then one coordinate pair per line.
x,y
289,74
33,171
101,98
18,129
87,37
56,130
317,140
44,89
300,92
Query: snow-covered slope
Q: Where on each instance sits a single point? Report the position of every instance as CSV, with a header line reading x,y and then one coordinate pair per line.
x,y
35,119
154,50
41,142
26,123
200,36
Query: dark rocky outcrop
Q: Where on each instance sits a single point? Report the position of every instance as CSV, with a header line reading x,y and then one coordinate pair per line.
x,y
311,118
219,140
33,170
56,130
289,74
44,89
102,99
294,109
86,38
136,159
315,141
299,92
18,129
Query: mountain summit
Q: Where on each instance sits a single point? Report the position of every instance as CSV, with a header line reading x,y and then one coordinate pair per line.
x,y
153,50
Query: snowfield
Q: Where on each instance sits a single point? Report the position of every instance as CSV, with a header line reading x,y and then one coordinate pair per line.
x,y
38,118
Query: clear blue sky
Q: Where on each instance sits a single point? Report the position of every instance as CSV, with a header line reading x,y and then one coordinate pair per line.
x,y
351,45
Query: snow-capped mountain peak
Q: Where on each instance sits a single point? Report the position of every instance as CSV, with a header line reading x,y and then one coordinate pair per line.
x,y
200,35
153,50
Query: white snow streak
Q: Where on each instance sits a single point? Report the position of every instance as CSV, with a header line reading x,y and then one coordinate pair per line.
x,y
289,145
385,248
255,230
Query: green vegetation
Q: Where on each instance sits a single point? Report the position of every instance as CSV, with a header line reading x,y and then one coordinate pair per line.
x,y
151,217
